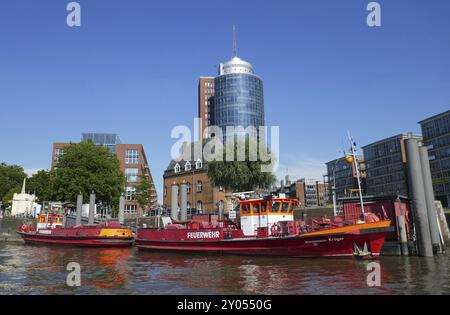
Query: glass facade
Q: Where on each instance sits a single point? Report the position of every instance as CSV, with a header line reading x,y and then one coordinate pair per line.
x,y
341,173
436,136
239,101
108,140
385,166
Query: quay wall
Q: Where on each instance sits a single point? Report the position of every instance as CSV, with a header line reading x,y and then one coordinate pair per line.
x,y
8,228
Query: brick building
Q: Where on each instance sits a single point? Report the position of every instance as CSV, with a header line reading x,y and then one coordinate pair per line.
x,y
133,163
309,192
205,103
202,196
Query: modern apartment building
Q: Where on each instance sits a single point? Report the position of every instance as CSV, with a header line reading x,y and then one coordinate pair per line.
x,y
309,192
133,163
436,137
342,175
386,166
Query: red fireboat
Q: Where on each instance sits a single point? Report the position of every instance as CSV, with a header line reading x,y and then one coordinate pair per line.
x,y
266,226
50,230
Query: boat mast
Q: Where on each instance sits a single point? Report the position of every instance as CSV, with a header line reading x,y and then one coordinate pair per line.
x,y
358,175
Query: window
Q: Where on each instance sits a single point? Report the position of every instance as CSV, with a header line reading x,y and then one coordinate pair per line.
x,y
58,153
245,208
130,193
131,174
187,166
130,209
275,206
199,206
198,164
256,208
131,157
263,207
165,191
285,207
188,185
177,168
199,186
220,188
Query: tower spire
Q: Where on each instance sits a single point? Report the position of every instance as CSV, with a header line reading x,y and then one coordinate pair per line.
x,y
234,53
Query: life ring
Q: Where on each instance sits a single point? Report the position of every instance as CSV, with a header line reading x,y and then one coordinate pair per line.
x,y
24,228
275,229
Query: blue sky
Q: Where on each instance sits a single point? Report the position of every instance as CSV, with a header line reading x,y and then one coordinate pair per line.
x,y
133,68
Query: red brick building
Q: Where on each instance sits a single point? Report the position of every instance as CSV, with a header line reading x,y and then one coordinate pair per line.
x,y
133,163
205,102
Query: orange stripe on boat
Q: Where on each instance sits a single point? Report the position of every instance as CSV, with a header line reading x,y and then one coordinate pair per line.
x,y
362,226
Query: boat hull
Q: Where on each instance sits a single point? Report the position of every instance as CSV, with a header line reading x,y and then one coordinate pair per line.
x,y
82,237
330,243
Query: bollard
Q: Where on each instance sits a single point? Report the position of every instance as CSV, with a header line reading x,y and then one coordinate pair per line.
x,y
183,201
91,208
417,193
121,213
174,204
79,209
429,197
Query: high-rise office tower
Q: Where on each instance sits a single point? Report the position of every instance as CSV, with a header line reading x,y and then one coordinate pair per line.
x,y
205,103
234,98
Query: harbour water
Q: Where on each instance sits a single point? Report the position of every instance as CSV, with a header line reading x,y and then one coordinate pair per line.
x,y
26,269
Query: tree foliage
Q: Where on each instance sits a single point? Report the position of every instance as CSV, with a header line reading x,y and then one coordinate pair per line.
x,y
144,192
11,179
85,167
242,175
41,184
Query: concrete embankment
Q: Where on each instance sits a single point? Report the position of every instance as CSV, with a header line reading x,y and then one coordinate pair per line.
x,y
8,228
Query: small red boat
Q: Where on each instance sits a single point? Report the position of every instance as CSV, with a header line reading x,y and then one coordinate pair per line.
x,y
50,231
267,227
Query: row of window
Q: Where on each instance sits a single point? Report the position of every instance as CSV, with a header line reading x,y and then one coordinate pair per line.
x,y
130,209
436,127
131,157
188,166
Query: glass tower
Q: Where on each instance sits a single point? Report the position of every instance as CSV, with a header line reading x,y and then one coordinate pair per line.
x,y
239,99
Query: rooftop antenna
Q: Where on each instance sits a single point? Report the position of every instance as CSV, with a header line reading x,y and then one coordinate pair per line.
x,y
234,53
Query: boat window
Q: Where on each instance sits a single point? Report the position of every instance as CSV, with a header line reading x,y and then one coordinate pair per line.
x,y
256,208
245,208
275,206
291,207
263,207
285,207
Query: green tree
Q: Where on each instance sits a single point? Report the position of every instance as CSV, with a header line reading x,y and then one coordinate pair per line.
x,y
144,192
11,179
41,184
85,167
240,175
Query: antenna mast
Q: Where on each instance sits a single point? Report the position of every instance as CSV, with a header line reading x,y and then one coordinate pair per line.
x,y
358,174
234,53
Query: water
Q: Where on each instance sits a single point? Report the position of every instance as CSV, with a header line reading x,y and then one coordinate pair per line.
x,y
26,269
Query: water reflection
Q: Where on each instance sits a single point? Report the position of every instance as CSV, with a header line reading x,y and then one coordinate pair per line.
x,y
37,270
